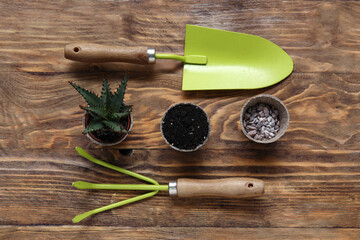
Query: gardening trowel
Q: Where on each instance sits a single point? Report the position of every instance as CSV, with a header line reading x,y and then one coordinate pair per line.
x,y
213,59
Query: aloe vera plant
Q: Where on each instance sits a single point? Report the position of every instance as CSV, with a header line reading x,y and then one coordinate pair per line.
x,y
107,110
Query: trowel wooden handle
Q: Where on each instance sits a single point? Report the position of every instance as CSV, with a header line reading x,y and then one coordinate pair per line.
x,y
97,53
226,187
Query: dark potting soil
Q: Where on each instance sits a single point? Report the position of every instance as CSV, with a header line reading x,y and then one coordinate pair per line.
x,y
107,135
185,126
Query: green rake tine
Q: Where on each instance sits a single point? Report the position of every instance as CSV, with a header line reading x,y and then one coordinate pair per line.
x,y
86,155
106,186
82,216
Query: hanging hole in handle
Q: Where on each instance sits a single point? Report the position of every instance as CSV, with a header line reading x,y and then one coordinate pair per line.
x,y
76,49
250,185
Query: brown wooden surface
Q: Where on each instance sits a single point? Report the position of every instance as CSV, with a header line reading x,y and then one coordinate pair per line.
x,y
312,174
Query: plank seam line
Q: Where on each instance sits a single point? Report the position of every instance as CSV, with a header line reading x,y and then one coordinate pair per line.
x,y
86,71
111,226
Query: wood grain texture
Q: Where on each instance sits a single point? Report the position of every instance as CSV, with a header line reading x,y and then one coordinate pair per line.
x,y
43,112
82,232
312,173
304,189
315,33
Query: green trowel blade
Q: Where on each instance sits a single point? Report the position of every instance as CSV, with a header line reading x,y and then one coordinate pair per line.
x,y
235,60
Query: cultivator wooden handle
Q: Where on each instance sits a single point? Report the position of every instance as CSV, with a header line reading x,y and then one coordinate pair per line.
x,y
225,187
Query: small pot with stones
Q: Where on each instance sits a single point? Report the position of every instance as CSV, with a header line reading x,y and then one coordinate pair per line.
x,y
185,127
264,118
108,137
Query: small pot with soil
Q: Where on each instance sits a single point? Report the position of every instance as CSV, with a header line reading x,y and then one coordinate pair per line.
x,y
185,127
107,120
108,137
264,119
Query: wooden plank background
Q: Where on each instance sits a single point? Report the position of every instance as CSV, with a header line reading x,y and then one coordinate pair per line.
x,y
312,173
